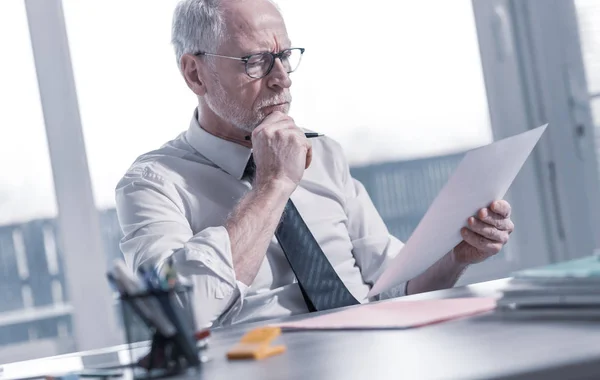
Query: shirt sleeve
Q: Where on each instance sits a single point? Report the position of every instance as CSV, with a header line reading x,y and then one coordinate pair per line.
x,y
373,246
152,216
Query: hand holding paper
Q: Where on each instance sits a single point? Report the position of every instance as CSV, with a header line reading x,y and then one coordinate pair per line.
x,y
485,235
484,175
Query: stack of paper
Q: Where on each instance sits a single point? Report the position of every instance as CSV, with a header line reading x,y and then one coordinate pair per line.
x,y
570,288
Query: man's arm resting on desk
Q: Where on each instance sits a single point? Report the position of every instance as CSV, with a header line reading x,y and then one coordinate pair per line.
x,y
156,228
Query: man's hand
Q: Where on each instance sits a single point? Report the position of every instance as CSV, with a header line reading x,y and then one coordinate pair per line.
x,y
281,151
485,234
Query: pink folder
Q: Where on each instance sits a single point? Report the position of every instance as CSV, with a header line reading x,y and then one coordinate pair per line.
x,y
396,314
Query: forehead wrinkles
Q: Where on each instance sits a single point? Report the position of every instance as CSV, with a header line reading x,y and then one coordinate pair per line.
x,y
254,22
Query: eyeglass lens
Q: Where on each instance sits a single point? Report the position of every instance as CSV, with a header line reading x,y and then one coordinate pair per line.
x,y
259,65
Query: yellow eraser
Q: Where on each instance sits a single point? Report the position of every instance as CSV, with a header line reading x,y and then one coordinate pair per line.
x,y
270,351
255,344
254,351
261,335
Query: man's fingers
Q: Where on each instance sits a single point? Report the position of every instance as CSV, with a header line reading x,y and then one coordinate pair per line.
x,y
479,242
308,146
274,116
501,208
271,119
496,220
488,231
301,137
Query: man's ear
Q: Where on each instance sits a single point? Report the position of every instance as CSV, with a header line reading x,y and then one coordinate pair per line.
x,y
193,73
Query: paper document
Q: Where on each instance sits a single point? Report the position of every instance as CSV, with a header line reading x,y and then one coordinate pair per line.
x,y
397,314
483,176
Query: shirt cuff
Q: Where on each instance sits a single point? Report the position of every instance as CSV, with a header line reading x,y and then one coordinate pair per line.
x,y
207,261
235,305
211,249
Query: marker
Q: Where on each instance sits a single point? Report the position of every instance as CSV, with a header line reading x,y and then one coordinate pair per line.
x,y
309,135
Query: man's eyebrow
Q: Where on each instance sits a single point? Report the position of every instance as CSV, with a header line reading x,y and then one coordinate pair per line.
x,y
258,51
264,49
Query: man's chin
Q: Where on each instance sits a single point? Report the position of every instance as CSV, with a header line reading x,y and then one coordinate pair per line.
x,y
262,115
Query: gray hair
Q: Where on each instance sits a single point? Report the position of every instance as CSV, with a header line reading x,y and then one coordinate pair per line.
x,y
198,25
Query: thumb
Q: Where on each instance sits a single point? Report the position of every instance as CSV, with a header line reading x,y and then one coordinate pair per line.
x,y
308,157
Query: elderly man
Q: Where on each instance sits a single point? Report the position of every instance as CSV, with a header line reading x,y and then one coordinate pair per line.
x,y
265,222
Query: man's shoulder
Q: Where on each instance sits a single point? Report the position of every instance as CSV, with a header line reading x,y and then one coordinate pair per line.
x,y
164,164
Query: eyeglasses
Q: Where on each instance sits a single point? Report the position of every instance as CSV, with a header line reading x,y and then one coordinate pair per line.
x,y
260,65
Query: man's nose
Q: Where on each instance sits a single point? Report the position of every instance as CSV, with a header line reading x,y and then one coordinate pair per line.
x,y
279,77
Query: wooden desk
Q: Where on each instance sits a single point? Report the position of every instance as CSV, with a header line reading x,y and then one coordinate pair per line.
x,y
483,347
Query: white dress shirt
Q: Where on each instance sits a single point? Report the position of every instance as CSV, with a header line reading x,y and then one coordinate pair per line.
x,y
174,201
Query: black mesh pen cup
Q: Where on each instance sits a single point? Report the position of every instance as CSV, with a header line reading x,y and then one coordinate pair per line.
x,y
164,317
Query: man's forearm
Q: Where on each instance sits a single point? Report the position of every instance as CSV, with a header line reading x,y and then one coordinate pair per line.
x,y
251,227
441,275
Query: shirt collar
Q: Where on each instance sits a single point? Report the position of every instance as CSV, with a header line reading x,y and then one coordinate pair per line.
x,y
227,155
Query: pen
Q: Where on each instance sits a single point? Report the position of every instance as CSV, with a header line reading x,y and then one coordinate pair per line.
x,y
148,306
170,274
309,135
148,279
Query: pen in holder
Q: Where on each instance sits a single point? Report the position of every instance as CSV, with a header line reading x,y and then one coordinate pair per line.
x,y
168,315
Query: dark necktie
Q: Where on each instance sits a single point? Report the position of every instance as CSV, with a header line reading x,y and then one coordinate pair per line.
x,y
321,287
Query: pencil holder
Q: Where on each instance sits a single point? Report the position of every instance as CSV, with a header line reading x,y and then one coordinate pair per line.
x,y
166,319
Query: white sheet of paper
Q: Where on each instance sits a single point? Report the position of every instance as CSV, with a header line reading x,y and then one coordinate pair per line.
x,y
483,176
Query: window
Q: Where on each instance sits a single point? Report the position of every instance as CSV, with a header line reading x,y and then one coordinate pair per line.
x,y
34,314
131,95
383,79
